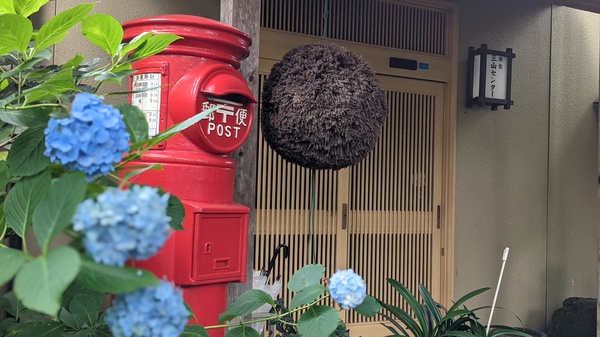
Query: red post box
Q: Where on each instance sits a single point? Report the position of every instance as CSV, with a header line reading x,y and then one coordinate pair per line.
x,y
191,75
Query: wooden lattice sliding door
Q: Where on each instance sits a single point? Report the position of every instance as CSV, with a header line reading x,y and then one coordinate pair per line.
x,y
390,200
390,215
394,195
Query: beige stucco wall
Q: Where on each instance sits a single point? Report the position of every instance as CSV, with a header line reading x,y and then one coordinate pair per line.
x,y
122,11
526,177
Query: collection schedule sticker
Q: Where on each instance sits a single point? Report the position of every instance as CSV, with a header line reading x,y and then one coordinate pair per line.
x,y
148,98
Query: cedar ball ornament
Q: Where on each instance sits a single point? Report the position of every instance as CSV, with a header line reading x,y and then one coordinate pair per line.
x,y
322,107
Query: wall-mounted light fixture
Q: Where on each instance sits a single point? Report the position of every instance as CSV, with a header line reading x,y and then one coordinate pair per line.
x,y
489,77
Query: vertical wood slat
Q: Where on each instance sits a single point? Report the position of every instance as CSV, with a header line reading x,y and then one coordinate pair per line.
x,y
377,22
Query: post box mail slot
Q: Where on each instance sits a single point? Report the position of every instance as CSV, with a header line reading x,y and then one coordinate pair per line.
x,y
220,250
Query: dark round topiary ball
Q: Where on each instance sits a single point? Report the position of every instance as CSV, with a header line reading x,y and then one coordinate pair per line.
x,y
322,107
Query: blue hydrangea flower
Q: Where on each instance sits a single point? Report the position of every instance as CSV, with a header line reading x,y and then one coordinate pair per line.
x,y
154,311
347,288
123,224
91,140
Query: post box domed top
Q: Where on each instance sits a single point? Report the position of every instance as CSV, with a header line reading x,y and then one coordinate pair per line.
x,y
202,37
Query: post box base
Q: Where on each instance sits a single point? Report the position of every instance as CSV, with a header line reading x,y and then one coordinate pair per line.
x,y
207,302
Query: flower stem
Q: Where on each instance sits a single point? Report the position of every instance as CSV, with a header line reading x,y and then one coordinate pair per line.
x,y
264,319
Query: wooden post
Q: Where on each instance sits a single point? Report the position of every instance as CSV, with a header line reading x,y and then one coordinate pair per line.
x,y
245,16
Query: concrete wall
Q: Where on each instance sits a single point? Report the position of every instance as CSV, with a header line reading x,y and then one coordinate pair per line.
x,y
526,177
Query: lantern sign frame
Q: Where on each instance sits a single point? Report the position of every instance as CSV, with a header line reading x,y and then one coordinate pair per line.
x,y
493,85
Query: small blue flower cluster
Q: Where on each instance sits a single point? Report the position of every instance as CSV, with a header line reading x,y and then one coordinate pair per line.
x,y
91,140
347,288
154,311
123,224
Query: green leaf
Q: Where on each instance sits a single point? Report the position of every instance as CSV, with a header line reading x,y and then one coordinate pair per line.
x,y
27,65
28,7
40,283
430,304
85,309
307,295
153,45
69,319
413,303
176,211
16,33
104,31
115,76
463,299
246,304
46,329
113,280
4,176
7,7
177,128
22,200
11,260
12,305
135,122
74,62
59,83
194,331
242,331
369,307
318,321
37,117
26,156
55,30
56,209
306,276
125,48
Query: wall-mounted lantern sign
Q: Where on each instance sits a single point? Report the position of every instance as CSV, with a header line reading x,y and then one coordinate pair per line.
x,y
489,77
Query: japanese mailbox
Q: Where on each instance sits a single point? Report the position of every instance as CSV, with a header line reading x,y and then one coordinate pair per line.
x,y
193,74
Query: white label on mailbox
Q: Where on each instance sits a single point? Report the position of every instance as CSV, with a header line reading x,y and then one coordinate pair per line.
x,y
149,99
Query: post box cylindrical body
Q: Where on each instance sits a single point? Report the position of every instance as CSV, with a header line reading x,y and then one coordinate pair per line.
x,y
193,74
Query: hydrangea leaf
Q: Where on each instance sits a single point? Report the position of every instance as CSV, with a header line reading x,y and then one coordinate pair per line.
x,y
55,30
16,33
177,212
369,307
40,329
246,304
84,308
125,48
26,156
194,331
22,200
36,117
242,331
11,260
28,7
4,176
307,295
61,82
306,276
41,282
7,7
114,280
114,76
104,31
12,305
56,208
318,320
27,65
135,122
153,45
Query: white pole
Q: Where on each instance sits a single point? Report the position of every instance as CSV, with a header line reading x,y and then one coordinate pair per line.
x,y
504,257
